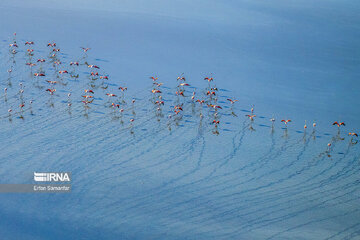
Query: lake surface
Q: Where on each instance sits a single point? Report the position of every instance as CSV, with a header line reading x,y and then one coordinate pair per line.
x,y
182,177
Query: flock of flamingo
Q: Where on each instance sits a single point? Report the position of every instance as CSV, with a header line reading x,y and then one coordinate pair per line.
x,y
205,99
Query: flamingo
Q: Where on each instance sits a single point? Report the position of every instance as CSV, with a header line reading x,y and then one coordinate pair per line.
x,y
178,107
181,78
111,95
214,106
93,66
305,126
115,105
13,45
87,96
216,122
89,91
353,134
154,78
123,88
286,121
251,117
252,109
155,91
29,43
87,102
41,60
159,102
209,79
231,100
31,64
51,91
158,84
51,44
39,74
63,71
181,93
200,101
104,77
210,93
74,63
339,124
85,49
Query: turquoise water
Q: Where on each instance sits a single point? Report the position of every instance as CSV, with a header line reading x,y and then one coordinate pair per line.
x,y
290,60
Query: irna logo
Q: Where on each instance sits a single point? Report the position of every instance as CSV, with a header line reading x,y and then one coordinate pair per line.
x,y
52,177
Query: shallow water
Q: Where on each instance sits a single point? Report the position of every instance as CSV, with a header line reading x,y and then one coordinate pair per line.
x,y
291,60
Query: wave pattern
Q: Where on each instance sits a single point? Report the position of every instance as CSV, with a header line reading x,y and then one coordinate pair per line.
x,y
170,178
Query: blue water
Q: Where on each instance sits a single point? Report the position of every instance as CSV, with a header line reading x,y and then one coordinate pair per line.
x,y
291,60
